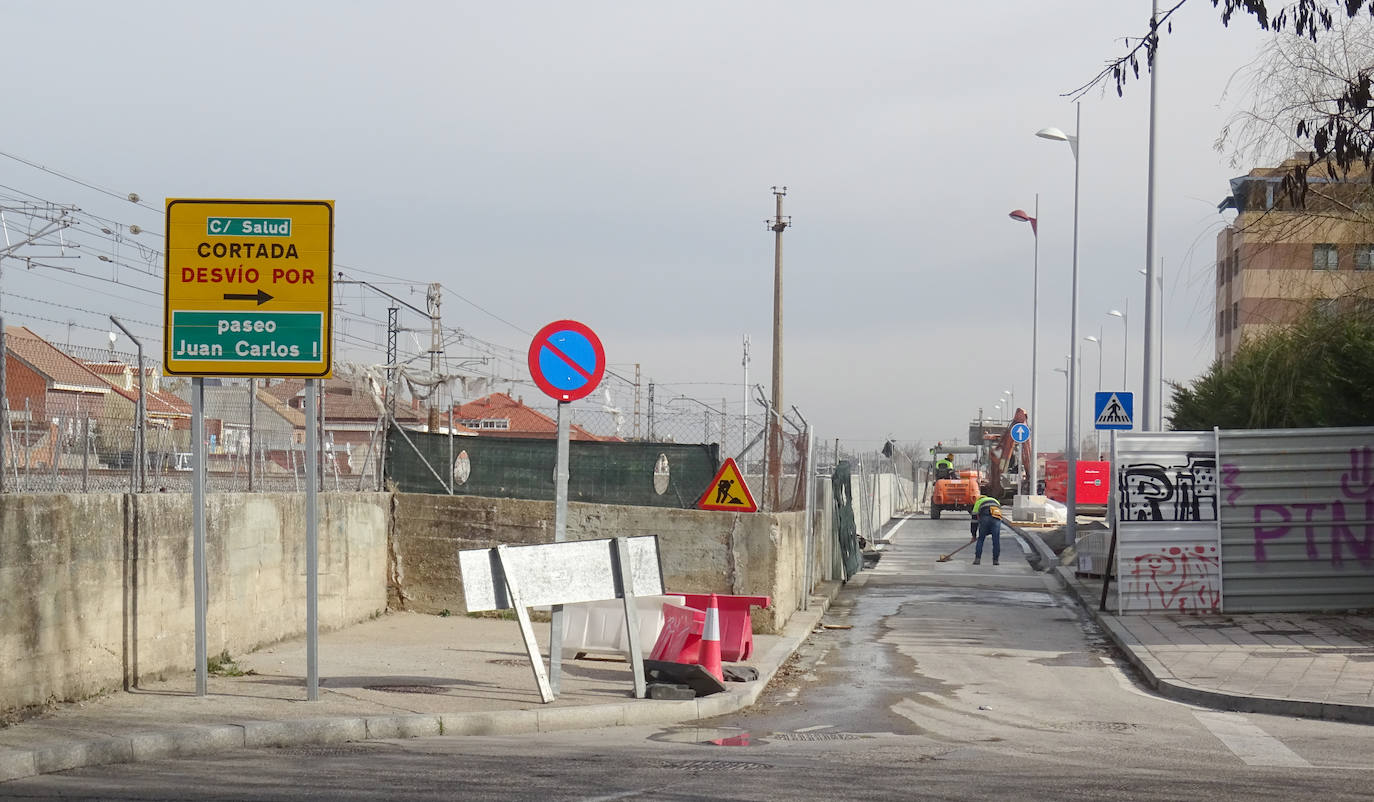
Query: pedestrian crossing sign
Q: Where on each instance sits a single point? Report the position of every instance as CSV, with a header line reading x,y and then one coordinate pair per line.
x,y
728,492
1114,410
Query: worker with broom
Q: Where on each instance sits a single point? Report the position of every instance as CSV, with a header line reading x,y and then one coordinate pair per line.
x,y
987,511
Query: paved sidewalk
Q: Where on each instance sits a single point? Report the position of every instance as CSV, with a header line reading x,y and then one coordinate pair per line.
x,y
1295,664
400,675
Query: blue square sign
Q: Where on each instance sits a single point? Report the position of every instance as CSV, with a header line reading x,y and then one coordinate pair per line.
x,y
1114,410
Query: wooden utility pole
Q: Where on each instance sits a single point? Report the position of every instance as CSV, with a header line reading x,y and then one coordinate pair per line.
x,y
777,225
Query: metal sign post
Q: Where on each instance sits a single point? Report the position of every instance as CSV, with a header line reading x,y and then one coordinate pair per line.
x,y
560,534
198,527
249,292
312,580
566,361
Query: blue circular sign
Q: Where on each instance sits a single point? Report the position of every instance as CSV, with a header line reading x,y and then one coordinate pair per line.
x,y
566,360
1020,432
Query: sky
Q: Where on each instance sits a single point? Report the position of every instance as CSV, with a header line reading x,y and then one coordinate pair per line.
x,y
613,163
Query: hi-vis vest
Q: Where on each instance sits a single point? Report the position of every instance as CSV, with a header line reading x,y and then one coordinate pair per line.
x,y
994,506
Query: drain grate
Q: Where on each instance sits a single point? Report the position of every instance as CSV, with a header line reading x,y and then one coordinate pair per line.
x,y
818,736
711,765
1285,632
507,661
431,689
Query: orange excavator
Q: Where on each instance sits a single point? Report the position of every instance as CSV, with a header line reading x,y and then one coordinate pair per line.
x,y
1007,460
953,488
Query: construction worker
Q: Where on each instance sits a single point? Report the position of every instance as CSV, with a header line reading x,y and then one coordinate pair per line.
x,y
987,511
944,469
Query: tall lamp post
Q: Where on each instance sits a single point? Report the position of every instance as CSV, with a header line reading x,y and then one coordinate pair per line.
x,y
1032,478
1065,371
1071,496
1097,436
1125,337
1159,407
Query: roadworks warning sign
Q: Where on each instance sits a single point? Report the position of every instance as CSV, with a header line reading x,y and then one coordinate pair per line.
x,y
728,492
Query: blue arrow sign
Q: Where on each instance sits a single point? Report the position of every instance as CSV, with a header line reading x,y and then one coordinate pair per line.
x,y
1020,433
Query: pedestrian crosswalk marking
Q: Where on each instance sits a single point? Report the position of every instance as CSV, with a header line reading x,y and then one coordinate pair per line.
x,y
1251,744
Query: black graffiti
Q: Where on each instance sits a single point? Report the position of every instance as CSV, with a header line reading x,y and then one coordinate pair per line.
x,y
1153,492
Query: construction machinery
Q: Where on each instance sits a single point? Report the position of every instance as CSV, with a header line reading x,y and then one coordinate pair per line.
x,y
1006,459
956,489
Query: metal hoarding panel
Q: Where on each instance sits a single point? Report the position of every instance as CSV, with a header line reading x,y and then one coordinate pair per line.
x,y
1298,519
1168,551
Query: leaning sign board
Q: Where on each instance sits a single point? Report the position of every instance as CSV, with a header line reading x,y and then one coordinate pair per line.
x,y
565,572
249,288
557,573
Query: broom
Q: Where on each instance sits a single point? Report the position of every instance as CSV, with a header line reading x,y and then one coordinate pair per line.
x,y
944,558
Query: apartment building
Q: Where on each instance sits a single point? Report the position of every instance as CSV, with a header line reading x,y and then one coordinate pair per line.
x,y
1276,260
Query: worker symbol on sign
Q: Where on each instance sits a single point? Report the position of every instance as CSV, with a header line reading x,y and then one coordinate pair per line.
x,y
731,494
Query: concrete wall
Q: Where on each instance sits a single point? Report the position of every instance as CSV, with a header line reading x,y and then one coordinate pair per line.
x,y
701,552
97,589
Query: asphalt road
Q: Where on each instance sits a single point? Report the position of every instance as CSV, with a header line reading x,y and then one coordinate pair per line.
x,y
928,681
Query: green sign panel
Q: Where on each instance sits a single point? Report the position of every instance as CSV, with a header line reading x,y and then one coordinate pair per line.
x,y
247,336
248,226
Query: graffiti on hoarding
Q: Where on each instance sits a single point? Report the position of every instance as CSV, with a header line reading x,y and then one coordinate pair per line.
x,y
1153,492
1274,521
1182,579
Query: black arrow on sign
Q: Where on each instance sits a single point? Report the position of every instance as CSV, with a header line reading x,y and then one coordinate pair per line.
x,y
259,296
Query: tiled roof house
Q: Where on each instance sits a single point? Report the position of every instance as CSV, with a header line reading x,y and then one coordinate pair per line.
x,y
500,415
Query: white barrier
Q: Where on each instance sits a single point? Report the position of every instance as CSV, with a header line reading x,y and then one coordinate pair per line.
x,y
599,627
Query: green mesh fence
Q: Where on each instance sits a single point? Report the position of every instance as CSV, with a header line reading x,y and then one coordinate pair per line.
x,y
629,473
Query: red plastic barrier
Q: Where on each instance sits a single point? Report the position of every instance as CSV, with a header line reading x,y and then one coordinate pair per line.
x,y
680,639
736,630
1094,481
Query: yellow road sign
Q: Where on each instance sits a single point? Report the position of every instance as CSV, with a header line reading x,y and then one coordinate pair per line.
x,y
249,288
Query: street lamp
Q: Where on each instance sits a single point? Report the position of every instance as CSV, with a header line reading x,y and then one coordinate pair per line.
x,y
1097,436
1071,497
1125,337
1035,332
1065,371
1159,407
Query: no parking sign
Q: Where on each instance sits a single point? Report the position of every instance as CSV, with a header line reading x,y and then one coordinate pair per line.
x,y
566,360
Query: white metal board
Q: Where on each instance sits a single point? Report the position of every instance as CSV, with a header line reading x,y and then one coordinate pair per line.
x,y
558,573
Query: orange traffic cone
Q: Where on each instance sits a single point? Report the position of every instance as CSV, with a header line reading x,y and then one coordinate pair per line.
x,y
710,641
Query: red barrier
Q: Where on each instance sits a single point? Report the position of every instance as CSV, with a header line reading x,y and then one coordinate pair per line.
x,y
680,639
736,631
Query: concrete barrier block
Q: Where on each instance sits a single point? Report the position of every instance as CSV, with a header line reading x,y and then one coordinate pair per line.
x,y
490,723
258,734
415,726
192,739
553,719
17,763
75,754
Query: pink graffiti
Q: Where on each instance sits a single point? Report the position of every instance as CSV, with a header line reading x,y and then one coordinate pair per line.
x,y
1229,473
1275,521
1362,472
1182,579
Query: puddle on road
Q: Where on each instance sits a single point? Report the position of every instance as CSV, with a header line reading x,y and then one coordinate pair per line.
x,y
708,736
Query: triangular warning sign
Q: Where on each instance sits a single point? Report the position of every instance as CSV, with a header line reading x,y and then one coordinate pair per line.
x,y
1114,413
728,492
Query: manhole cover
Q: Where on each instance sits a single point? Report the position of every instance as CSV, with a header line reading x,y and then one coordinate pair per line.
x,y
408,688
817,736
711,765
1095,726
